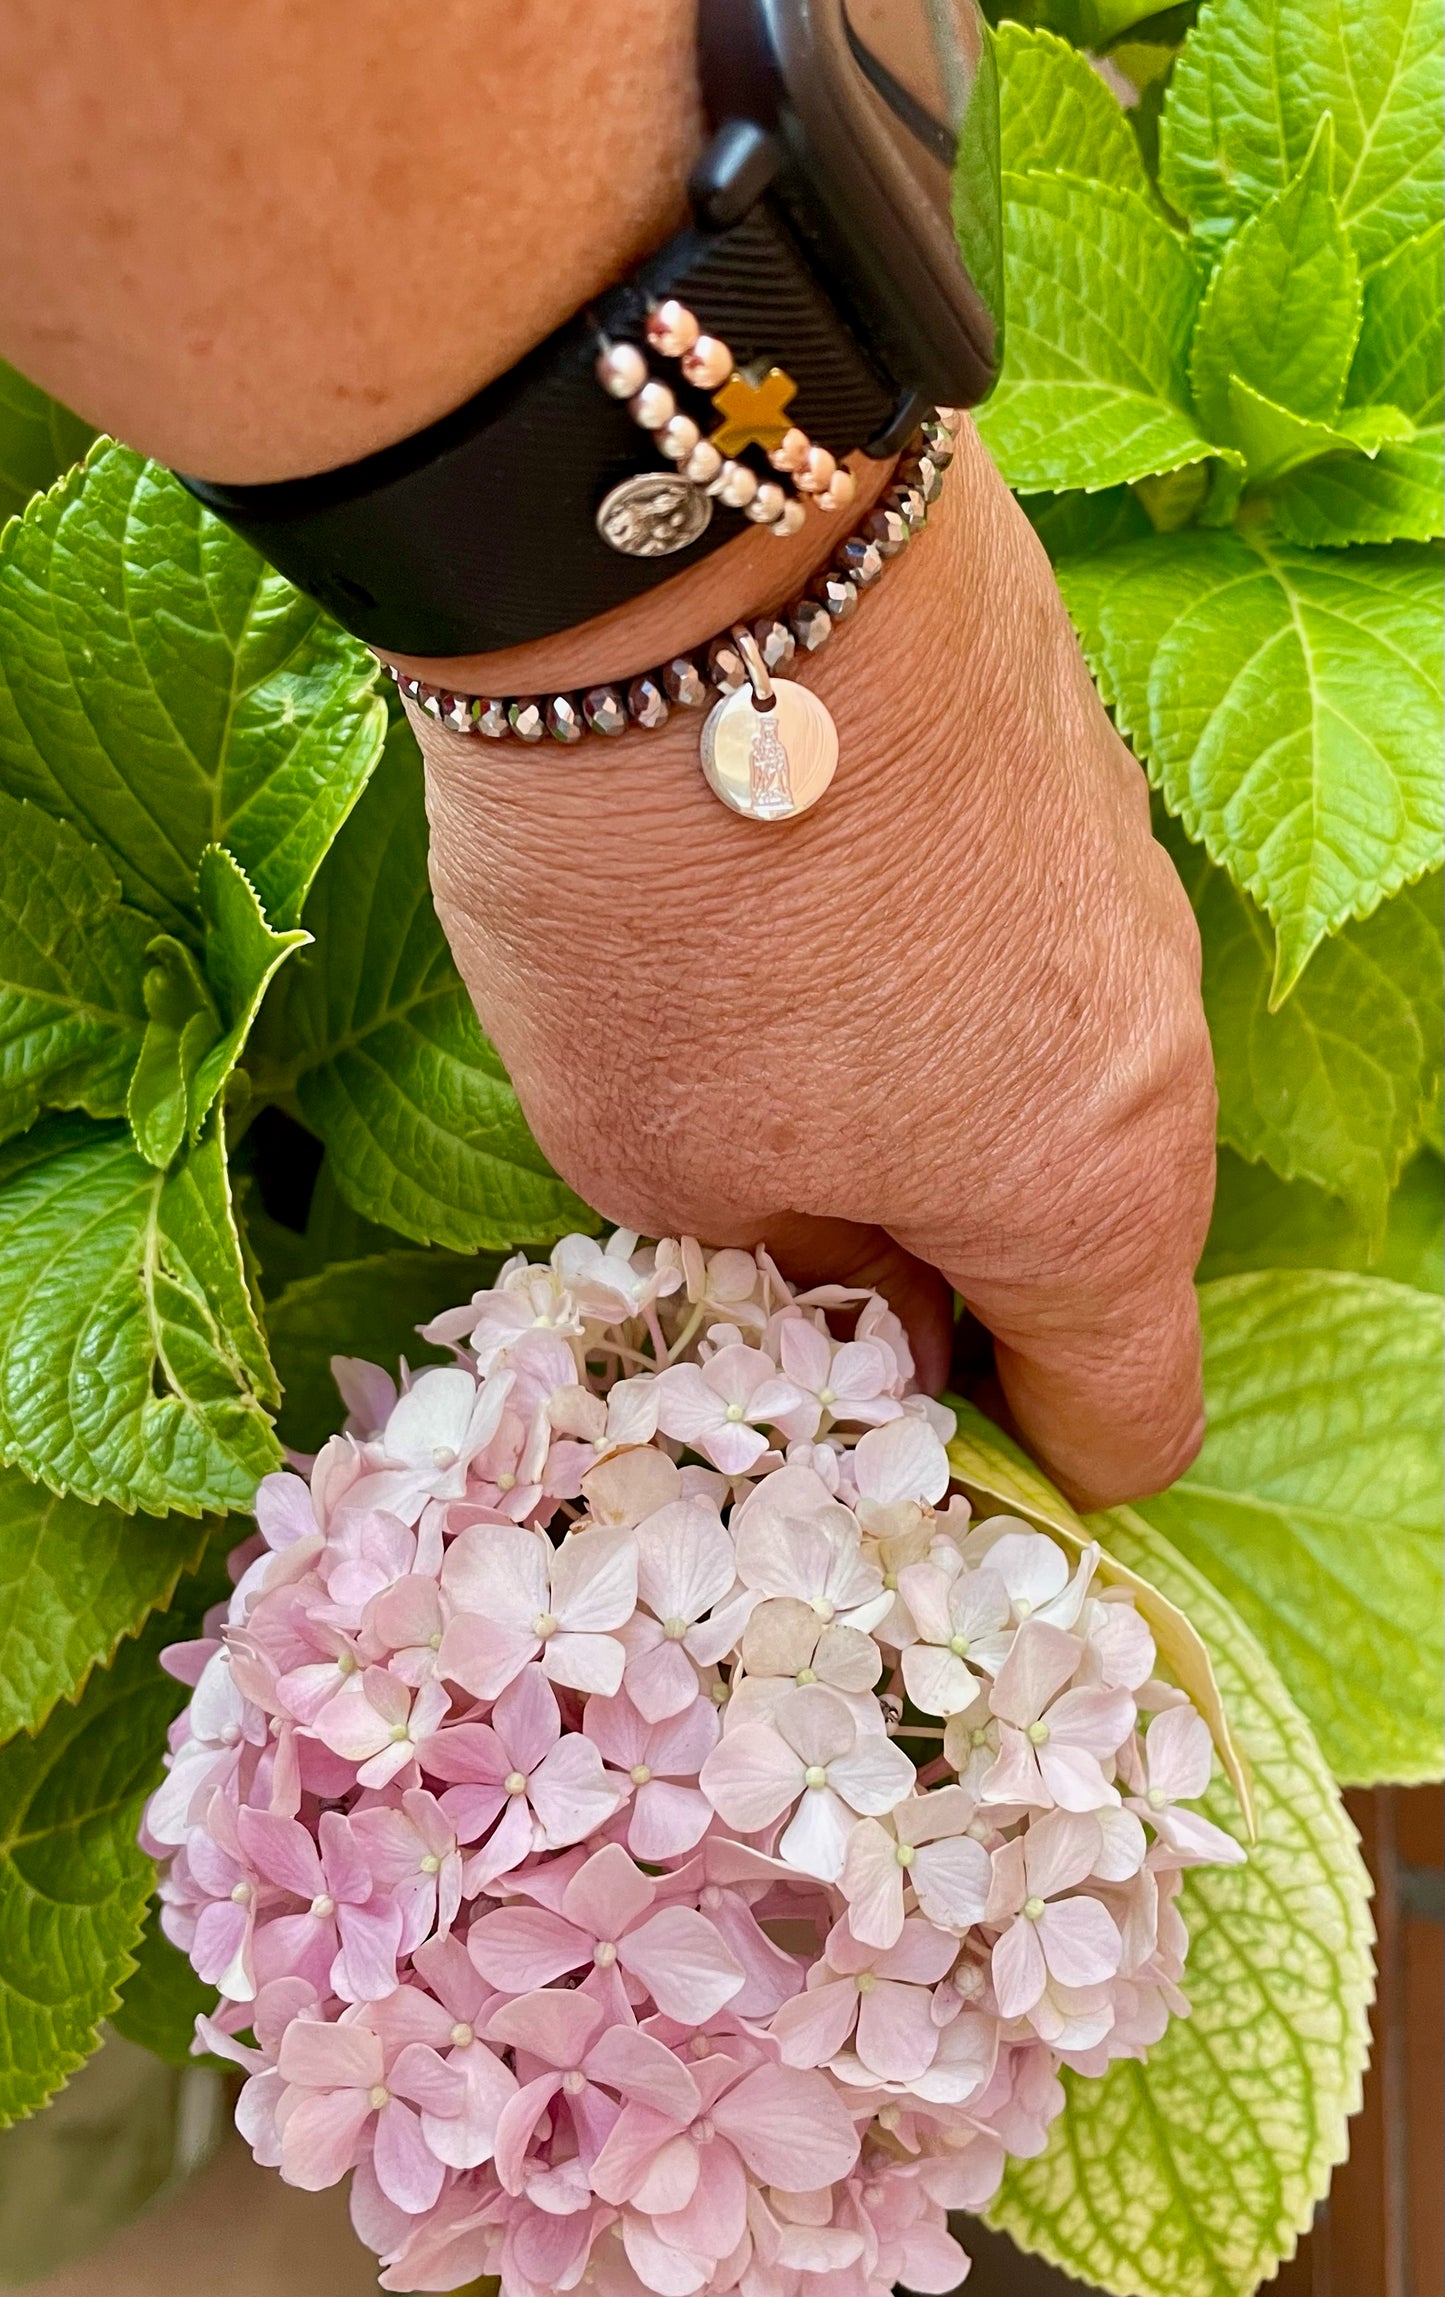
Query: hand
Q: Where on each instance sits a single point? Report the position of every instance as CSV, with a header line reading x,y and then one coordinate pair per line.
x,y
944,1031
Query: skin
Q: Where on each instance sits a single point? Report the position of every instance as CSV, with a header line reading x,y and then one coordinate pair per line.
x,y
945,1031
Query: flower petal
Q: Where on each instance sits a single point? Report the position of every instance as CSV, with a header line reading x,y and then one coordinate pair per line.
x,y
751,1777
1080,1941
683,1962
520,1948
594,1581
1040,1663
791,2128
952,1879
1020,1973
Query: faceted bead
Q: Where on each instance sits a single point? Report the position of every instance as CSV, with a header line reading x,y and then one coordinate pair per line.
x,y
951,419
812,624
431,699
791,451
921,471
766,503
837,592
816,470
775,641
565,722
708,363
526,720
678,438
457,712
790,518
725,666
703,464
888,528
410,686
653,407
684,683
937,444
911,505
672,329
647,703
621,370
735,485
604,710
491,721
860,558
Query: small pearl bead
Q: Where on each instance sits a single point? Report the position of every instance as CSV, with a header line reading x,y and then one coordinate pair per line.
x,y
817,471
767,502
708,363
791,451
790,518
672,329
621,370
653,407
703,464
678,438
839,492
735,485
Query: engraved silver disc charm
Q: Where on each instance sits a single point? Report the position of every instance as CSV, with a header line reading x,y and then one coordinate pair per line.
x,y
770,762
653,514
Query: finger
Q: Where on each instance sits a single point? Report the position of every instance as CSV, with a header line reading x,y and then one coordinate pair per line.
x,y
1085,1279
813,1251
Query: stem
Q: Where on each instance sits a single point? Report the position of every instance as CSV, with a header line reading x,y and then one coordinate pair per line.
x,y
686,1333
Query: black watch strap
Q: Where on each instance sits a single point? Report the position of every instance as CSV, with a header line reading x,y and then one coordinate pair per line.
x,y
481,531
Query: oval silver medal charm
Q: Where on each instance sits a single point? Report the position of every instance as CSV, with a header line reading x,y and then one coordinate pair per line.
x,y
770,749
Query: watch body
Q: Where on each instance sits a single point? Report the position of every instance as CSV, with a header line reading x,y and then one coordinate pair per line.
x,y
829,219
886,114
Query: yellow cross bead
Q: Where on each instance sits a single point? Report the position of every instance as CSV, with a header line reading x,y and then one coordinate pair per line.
x,y
754,412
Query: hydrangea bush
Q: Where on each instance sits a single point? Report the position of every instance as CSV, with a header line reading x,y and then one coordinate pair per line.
x,y
248,1121
645,1833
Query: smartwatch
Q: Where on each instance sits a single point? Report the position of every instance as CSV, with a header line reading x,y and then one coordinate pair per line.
x,y
844,248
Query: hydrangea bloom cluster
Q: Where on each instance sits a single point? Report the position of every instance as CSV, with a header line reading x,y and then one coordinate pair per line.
x,y
640,1827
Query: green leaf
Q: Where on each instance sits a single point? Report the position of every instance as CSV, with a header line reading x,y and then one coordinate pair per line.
x,y
1055,113
181,1028
1398,495
1283,308
131,1365
1248,92
1401,354
75,1579
374,1026
1261,1221
1287,704
1315,1503
162,1999
1274,442
38,440
72,957
1102,297
1335,1086
1192,2174
165,691
73,1879
200,1017
369,1308
1073,525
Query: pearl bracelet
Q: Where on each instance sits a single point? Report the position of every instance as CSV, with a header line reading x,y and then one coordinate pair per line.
x,y
769,746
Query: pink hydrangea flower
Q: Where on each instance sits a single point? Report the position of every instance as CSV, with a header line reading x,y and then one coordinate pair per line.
x,y
656,1840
